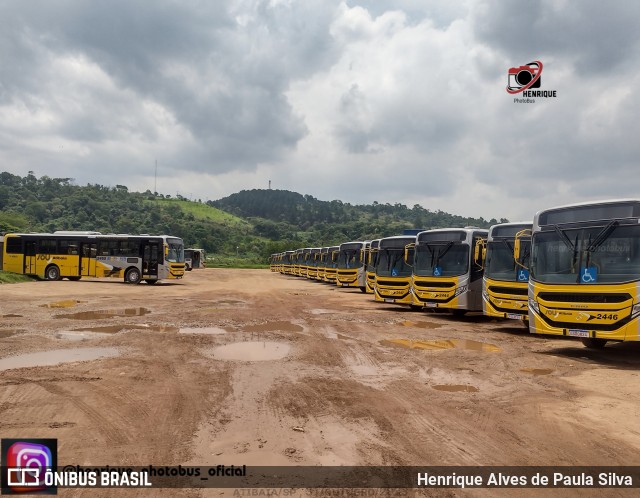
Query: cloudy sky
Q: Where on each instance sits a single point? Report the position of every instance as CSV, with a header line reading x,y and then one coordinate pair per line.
x,y
358,100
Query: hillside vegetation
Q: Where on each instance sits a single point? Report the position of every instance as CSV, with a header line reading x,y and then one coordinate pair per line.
x,y
241,229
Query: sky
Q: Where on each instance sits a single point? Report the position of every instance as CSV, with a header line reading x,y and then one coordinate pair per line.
x,y
396,101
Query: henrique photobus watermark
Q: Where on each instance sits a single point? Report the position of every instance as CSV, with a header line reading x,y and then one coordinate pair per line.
x,y
524,82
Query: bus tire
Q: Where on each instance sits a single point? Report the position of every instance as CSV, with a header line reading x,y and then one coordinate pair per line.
x,y
593,343
186,267
415,307
74,279
132,276
459,312
151,282
363,290
52,273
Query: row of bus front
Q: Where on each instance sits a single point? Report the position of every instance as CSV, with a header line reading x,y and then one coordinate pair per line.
x,y
441,268
574,271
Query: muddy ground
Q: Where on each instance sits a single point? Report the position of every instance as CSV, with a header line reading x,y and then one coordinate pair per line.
x,y
342,387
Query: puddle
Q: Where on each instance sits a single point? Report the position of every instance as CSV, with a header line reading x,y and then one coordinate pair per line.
x,y
252,351
421,325
102,314
456,388
273,326
11,315
444,344
114,329
202,330
537,371
55,357
68,303
79,336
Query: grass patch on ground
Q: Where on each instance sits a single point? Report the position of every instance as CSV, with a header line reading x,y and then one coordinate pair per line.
x,y
13,278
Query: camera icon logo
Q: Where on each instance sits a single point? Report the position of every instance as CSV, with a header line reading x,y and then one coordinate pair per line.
x,y
524,77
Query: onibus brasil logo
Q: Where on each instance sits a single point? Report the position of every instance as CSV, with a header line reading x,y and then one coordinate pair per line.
x,y
522,79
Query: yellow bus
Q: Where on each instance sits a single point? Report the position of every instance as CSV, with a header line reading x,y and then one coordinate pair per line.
x,y
287,262
506,274
313,262
74,255
322,256
448,269
331,268
349,267
393,272
585,272
370,267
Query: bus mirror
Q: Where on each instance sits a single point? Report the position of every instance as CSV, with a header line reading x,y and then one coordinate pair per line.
x,y
408,255
479,251
517,247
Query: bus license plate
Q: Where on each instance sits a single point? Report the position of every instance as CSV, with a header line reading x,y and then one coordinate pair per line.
x,y
388,300
430,305
345,285
515,316
578,333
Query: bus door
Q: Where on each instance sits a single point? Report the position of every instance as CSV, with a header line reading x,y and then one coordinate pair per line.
x,y
88,252
150,257
30,257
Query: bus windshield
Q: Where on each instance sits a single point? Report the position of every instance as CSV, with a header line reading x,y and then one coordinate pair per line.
x,y
390,263
349,258
176,251
500,264
608,254
442,260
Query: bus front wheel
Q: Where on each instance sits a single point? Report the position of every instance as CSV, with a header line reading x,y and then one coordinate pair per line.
x,y
52,273
594,343
132,276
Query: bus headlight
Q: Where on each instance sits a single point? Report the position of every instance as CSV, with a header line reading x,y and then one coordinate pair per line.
x,y
460,290
635,310
534,305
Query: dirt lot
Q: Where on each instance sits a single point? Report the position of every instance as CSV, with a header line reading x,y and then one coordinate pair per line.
x,y
341,393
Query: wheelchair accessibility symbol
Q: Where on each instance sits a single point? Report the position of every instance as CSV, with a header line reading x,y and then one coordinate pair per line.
x,y
437,271
588,274
523,275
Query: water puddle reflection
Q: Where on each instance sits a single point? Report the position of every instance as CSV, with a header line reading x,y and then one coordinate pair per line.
x,y
421,325
56,357
104,314
252,351
202,330
68,303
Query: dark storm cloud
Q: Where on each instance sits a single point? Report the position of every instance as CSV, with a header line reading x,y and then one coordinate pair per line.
x,y
220,73
593,36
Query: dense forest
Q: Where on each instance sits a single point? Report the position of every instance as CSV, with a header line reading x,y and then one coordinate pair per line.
x,y
250,224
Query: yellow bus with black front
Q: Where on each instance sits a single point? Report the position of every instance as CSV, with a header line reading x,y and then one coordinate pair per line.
x,y
74,255
393,272
287,262
331,267
506,271
448,269
585,272
313,262
349,265
370,268
323,256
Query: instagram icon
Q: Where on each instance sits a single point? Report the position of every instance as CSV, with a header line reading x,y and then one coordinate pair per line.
x,y
24,462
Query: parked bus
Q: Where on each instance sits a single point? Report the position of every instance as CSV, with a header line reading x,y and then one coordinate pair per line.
x,y
74,255
370,268
313,263
585,272
331,269
350,268
196,258
448,269
506,275
393,272
287,262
